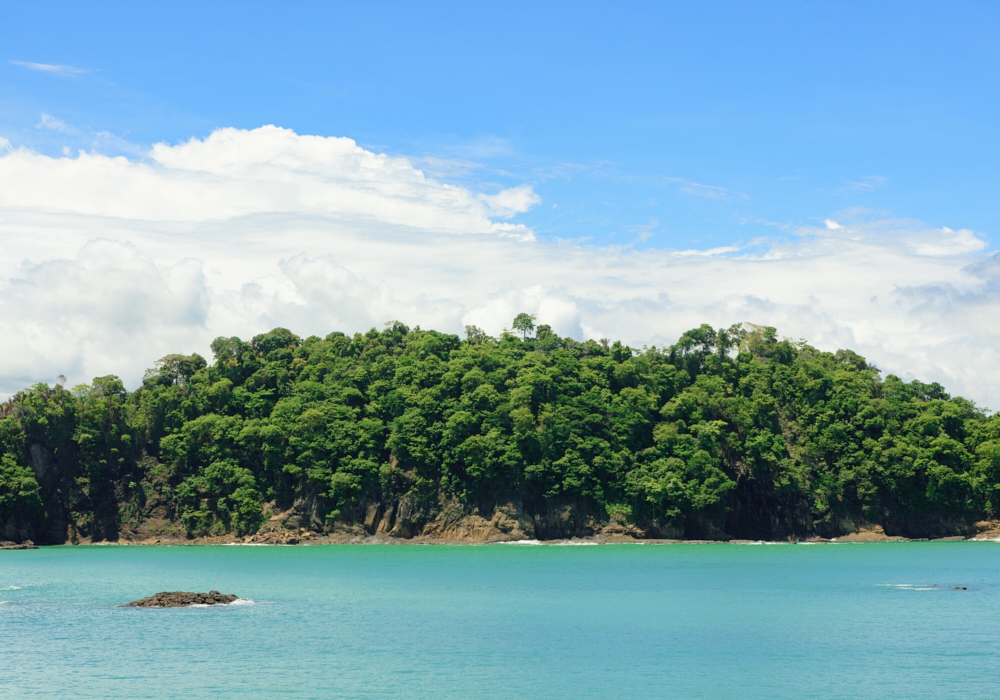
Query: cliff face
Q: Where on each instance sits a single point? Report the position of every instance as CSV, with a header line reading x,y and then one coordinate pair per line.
x,y
406,434
751,516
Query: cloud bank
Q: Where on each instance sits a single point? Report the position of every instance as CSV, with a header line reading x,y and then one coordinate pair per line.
x,y
109,263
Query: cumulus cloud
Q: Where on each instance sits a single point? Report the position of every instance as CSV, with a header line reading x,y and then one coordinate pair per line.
x,y
514,200
106,306
129,259
235,173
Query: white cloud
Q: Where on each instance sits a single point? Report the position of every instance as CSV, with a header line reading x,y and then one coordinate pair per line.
x,y
514,200
98,311
49,122
245,230
709,191
867,183
944,241
550,306
721,250
235,173
51,68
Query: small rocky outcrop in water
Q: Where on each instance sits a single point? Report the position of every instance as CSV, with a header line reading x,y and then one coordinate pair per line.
x,y
182,599
27,544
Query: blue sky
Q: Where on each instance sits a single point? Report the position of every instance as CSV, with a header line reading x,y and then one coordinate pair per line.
x,y
621,170
701,123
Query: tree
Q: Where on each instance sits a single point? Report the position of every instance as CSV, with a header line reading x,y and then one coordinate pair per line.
x,y
475,335
727,433
524,323
173,370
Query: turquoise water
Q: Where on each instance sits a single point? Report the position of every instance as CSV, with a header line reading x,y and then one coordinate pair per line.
x,y
612,621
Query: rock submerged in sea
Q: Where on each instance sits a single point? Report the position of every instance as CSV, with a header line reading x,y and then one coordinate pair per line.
x,y
182,599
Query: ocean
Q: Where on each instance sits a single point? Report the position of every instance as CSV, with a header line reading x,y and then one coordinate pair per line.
x,y
865,620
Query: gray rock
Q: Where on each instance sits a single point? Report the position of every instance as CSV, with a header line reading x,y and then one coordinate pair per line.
x,y
182,599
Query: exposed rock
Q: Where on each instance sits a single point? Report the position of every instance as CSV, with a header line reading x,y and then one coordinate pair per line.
x,y
619,530
372,517
927,526
875,533
279,537
386,523
665,531
306,511
182,599
42,462
987,529
507,523
560,520
27,544
409,520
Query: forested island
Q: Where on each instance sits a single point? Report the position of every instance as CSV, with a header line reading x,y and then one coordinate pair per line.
x,y
408,433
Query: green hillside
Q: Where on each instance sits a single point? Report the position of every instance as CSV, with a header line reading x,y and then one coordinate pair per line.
x,y
727,433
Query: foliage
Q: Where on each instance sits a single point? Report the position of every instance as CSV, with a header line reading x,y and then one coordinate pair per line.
x,y
524,323
731,430
19,493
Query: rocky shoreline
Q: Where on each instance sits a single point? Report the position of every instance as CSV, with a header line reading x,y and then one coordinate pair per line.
x,y
504,525
986,531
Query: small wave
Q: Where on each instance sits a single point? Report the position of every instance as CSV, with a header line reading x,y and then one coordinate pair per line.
x,y
11,588
912,586
521,542
575,544
758,542
238,601
248,544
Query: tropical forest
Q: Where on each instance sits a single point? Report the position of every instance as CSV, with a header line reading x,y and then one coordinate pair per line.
x,y
405,433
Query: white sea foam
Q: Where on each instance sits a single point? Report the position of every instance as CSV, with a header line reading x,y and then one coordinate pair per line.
x,y
575,544
759,542
522,542
912,586
249,544
10,588
238,601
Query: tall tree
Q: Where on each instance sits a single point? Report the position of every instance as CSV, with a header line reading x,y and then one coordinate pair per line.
x,y
524,323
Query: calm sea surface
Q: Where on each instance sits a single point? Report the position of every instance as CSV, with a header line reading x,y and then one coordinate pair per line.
x,y
507,621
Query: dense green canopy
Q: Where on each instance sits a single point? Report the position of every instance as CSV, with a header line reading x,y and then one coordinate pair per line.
x,y
727,433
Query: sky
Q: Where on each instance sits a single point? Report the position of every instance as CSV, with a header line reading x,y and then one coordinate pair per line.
x,y
170,174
